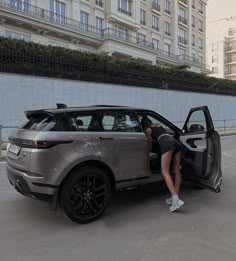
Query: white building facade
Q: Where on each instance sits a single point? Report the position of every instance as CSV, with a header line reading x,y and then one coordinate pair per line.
x,y
155,31
221,48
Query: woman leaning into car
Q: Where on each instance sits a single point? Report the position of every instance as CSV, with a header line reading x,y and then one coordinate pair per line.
x,y
161,142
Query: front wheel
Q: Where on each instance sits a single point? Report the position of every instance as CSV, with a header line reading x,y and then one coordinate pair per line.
x,y
85,194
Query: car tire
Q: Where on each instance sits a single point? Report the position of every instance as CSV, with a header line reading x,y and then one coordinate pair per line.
x,y
85,194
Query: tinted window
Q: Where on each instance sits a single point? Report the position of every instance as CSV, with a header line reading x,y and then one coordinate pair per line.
x,y
155,120
60,122
197,122
119,121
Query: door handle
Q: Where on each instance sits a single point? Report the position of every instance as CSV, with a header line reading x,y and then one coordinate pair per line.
x,y
191,142
106,138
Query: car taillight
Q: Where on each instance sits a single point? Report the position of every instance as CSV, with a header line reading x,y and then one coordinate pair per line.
x,y
36,144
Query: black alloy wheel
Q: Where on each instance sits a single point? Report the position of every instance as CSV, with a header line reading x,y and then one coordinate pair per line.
x,y
85,194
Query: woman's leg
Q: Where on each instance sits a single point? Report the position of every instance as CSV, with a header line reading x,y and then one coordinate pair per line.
x,y
176,170
165,171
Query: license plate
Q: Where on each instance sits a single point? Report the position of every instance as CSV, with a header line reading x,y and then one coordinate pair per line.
x,y
14,149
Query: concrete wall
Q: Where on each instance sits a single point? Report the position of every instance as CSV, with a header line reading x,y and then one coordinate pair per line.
x,y
19,93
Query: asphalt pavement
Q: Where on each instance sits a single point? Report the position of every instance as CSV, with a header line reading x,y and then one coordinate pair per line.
x,y
136,226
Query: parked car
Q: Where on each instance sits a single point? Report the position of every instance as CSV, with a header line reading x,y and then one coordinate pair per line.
x,y
78,156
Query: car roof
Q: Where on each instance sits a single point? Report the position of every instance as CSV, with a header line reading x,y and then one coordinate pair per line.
x,y
85,108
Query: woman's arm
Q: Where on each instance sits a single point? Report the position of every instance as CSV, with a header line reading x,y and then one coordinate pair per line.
x,y
148,134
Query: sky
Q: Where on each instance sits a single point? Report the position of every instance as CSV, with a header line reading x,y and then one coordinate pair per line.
x,y
218,9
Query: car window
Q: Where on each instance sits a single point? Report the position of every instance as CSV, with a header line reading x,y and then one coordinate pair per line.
x,y
155,120
120,122
197,122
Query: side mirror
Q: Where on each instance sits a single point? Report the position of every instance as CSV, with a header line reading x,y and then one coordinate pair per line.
x,y
196,127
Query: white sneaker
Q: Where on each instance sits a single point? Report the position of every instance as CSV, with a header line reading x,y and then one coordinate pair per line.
x,y
176,205
168,201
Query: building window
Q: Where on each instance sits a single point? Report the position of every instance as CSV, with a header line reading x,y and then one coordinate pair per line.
x,y
99,26
125,6
214,70
213,59
156,5
182,36
19,36
200,59
121,32
155,43
182,14
182,52
142,17
155,23
193,4
200,7
228,58
167,28
84,21
57,10
200,25
141,39
193,40
193,21
200,43
167,49
99,3
167,6
22,5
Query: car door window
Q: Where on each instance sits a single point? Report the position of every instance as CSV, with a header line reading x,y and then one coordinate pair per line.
x,y
120,122
196,122
155,120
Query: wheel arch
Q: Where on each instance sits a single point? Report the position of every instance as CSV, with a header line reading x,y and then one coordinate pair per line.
x,y
93,163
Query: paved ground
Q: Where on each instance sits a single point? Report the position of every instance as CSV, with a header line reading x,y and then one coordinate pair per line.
x,y
136,226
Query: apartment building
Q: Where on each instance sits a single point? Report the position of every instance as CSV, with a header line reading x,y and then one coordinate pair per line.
x,y
155,31
221,48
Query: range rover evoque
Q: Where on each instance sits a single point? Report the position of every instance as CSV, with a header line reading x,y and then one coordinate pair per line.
x,y
78,156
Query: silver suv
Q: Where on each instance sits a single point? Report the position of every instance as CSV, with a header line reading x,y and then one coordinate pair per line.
x,y
78,156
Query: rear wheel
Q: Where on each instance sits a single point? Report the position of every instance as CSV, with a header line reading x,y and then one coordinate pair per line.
x,y
85,194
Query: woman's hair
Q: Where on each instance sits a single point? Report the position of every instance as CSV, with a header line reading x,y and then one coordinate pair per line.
x,y
145,123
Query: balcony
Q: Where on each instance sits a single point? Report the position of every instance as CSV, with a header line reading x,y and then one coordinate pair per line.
x,y
193,45
99,3
193,6
156,6
200,30
193,25
230,49
200,47
200,12
184,2
182,20
124,11
48,22
182,40
168,33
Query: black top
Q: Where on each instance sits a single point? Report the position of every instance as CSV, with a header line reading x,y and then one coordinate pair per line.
x,y
156,133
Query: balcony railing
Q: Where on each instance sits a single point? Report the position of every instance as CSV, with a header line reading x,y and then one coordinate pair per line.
x,y
182,20
99,3
122,10
182,40
230,49
184,2
156,6
48,16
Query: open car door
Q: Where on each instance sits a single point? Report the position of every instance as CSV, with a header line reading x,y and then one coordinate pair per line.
x,y
201,161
